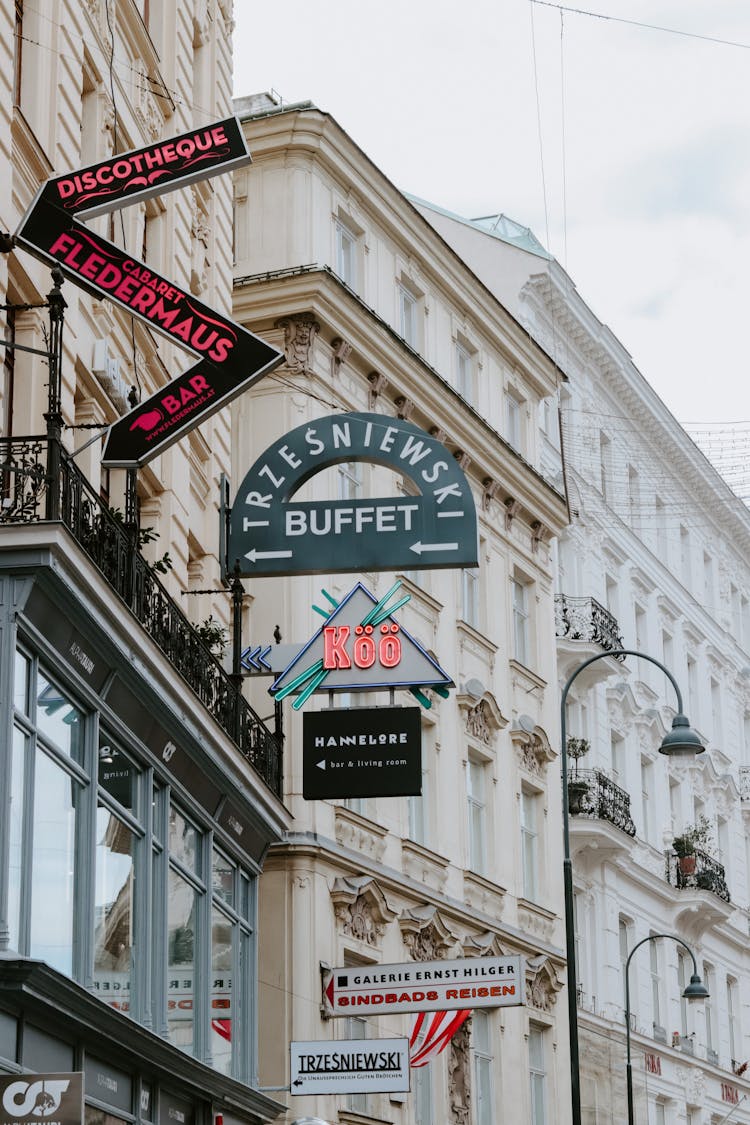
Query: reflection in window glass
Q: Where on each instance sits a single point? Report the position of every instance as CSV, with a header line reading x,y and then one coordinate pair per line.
x,y
52,868
115,896
21,684
16,838
221,991
183,839
58,718
181,940
222,878
117,774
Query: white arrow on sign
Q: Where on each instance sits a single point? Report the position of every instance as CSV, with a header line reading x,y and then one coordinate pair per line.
x,y
419,548
321,765
254,555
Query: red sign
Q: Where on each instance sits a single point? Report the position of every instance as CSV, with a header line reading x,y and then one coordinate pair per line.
x,y
729,1093
653,1063
231,358
366,648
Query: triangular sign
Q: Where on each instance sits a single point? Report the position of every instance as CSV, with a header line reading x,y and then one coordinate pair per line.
x,y
348,655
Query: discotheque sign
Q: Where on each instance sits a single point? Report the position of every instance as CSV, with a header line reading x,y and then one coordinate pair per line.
x,y
231,358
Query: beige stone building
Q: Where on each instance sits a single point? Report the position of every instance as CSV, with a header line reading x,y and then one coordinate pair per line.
x,y
376,313
138,791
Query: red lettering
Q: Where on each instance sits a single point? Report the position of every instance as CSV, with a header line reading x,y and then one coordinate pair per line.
x,y
222,349
219,136
183,329
64,242
334,653
464,993
199,383
170,403
390,997
90,268
405,998
389,649
495,990
432,995
451,994
143,299
364,647
66,188
126,289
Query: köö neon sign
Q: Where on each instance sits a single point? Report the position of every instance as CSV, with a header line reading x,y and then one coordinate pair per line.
x,y
365,651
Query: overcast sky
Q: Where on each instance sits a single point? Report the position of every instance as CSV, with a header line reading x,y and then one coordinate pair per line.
x,y
652,216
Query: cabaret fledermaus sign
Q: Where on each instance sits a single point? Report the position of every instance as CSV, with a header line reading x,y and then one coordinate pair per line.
x,y
272,533
230,358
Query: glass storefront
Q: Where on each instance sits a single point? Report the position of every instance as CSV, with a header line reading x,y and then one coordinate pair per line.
x,y
118,881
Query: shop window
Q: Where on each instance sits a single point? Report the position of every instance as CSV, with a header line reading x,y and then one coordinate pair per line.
x,y
481,1035
114,900
530,844
538,1075
476,796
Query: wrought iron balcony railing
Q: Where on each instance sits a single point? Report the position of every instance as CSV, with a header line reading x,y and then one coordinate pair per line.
x,y
584,619
591,793
30,489
700,871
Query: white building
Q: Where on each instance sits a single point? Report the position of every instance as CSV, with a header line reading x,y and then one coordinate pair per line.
x,y
655,559
376,313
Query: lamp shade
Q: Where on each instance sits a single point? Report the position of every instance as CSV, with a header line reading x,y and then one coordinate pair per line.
x,y
696,990
681,740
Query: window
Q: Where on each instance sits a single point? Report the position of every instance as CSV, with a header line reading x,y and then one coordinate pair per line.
x,y
659,1117
716,710
537,1075
641,628
662,549
355,1027
617,758
655,982
408,308
647,803
421,1086
476,793
732,1019
347,264
682,981
513,420
605,464
521,639
481,1034
350,480
152,881
530,843
464,361
418,807
470,596
708,1008
686,562
708,580
693,694
634,498
623,936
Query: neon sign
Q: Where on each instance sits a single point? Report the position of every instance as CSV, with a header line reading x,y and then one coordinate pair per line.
x,y
230,358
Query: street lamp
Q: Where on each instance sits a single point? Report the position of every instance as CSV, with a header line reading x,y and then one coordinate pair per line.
x,y
680,741
696,990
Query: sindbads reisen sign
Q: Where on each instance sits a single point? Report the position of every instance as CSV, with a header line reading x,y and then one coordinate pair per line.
x,y
424,986
350,1066
49,1099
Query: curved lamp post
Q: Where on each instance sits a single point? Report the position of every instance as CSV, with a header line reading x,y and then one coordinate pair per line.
x,y
680,741
696,990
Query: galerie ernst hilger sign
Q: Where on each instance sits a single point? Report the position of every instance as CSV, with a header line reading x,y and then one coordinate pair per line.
x,y
424,986
231,358
271,533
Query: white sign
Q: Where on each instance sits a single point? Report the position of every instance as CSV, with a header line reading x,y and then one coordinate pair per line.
x,y
350,1066
424,986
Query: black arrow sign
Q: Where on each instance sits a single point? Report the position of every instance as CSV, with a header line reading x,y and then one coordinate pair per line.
x,y
231,358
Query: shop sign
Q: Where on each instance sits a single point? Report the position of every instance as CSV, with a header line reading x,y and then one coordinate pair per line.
x,y
271,533
359,649
350,1066
730,1094
107,1084
50,1099
424,986
653,1063
231,358
362,752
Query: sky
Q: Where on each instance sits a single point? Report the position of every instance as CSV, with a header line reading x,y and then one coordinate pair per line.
x,y
625,149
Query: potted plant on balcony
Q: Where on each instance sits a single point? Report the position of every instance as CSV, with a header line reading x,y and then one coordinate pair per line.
x,y
578,787
692,836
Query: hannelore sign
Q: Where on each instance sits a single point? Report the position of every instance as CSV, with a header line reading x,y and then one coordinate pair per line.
x,y
361,752
271,533
231,358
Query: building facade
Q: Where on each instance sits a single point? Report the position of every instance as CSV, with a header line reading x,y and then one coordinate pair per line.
x,y
138,789
376,314
655,559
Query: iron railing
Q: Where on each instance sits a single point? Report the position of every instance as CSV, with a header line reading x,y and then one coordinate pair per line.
x,y
26,488
584,619
705,873
591,793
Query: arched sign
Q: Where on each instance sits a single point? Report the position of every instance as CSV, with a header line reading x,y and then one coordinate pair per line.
x,y
271,533
231,358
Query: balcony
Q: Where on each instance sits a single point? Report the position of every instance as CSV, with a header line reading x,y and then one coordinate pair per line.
x,y
592,794
705,873
39,482
584,628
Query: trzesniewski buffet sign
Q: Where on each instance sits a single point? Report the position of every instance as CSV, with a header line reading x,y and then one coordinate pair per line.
x,y
231,358
271,533
424,986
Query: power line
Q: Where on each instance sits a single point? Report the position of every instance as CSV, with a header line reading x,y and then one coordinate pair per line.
x,y
639,23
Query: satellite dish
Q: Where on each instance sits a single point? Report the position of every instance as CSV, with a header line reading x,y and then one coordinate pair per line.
x,y
475,688
526,723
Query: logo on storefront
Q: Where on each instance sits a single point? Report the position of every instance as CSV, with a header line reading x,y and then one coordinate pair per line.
x,y
51,1099
231,358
